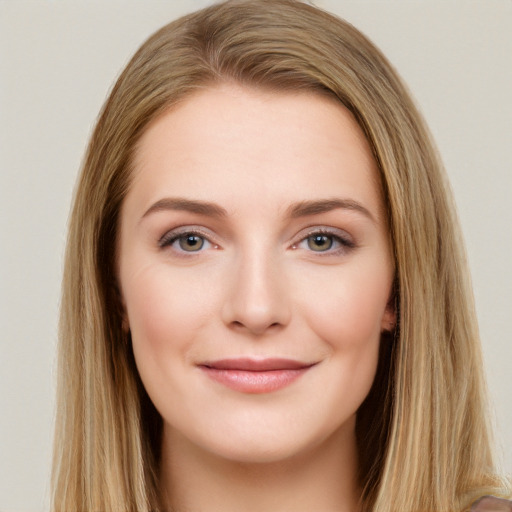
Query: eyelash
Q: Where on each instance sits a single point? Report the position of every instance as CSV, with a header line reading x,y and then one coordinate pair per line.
x,y
345,243
169,238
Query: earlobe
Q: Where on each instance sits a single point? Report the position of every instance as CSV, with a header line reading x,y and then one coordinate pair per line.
x,y
389,318
121,304
125,324
391,313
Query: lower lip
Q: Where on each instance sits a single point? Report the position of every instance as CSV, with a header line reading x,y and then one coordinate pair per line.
x,y
254,381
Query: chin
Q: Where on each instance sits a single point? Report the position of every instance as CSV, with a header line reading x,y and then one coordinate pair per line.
x,y
258,453
278,443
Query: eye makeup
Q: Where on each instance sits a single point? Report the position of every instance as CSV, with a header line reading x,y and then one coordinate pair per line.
x,y
321,241
186,239
325,241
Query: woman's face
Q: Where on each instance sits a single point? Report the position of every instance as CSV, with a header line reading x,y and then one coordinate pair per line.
x,y
256,270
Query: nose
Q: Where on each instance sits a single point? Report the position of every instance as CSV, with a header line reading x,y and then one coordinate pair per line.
x,y
257,299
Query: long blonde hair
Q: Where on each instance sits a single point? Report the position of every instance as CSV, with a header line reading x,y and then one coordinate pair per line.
x,y
423,435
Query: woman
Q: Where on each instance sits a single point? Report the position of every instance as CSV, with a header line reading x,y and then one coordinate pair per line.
x,y
265,301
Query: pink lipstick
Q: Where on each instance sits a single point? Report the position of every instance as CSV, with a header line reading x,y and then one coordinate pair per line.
x,y
255,376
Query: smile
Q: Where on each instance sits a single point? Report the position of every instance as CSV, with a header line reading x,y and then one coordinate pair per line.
x,y
255,376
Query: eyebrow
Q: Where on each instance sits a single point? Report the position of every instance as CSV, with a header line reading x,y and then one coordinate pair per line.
x,y
296,210
187,205
315,207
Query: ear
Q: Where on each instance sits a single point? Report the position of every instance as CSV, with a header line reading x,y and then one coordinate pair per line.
x,y
121,307
389,319
125,324
390,316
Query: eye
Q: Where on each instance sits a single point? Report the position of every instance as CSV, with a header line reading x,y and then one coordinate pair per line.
x,y
321,241
191,242
185,241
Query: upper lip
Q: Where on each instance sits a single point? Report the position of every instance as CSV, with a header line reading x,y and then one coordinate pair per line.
x,y
256,365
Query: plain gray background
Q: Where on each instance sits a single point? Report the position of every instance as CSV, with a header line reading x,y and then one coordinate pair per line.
x,y
58,60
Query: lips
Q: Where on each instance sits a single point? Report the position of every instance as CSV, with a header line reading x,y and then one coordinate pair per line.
x,y
255,376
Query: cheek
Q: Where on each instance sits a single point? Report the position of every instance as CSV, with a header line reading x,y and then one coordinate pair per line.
x,y
348,311
346,314
164,312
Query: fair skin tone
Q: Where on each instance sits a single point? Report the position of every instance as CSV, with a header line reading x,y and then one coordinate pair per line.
x,y
256,273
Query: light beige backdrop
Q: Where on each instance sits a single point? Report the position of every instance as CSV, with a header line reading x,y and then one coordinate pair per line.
x,y
59,58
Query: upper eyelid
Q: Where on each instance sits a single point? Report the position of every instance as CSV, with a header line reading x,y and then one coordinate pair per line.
x,y
299,237
345,241
324,230
175,233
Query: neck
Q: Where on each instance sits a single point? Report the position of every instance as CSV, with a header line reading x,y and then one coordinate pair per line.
x,y
323,478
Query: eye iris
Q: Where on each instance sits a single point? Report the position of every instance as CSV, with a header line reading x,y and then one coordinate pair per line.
x,y
191,243
320,242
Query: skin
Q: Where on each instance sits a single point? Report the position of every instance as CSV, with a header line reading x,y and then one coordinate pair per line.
x,y
259,285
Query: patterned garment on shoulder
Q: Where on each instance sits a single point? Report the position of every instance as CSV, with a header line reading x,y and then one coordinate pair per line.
x,y
492,504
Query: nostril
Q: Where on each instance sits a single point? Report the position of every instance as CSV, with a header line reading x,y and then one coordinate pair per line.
x,y
259,329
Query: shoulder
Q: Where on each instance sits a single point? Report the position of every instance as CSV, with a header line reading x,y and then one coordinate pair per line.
x,y
491,504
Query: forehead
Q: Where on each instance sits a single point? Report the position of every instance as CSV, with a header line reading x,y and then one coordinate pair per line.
x,y
228,142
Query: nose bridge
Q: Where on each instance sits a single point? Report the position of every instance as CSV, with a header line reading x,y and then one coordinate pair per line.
x,y
258,296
